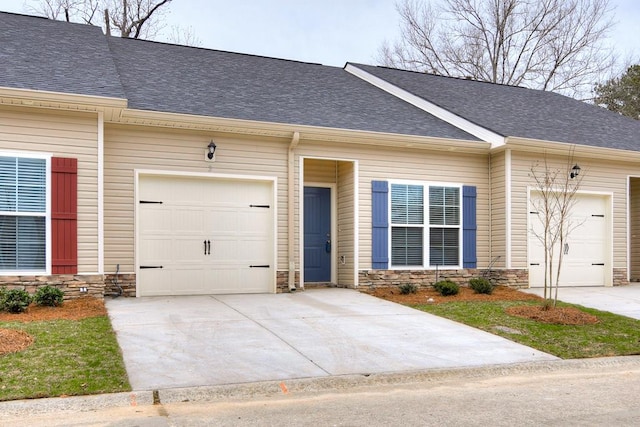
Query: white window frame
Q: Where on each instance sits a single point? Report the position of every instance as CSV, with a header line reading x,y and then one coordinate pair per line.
x,y
426,226
47,214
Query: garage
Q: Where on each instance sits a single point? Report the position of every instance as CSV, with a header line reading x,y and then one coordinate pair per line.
x,y
199,235
586,253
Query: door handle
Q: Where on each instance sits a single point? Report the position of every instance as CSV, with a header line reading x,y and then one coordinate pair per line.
x,y
566,248
205,247
208,247
327,246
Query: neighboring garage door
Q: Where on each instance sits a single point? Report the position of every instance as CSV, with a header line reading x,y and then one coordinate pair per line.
x,y
586,252
204,236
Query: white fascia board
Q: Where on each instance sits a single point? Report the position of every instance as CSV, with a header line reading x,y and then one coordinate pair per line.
x,y
484,134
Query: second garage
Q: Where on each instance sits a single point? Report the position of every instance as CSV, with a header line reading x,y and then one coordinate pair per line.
x,y
586,252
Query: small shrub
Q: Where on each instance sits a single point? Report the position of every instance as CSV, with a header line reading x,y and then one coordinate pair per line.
x,y
3,295
446,288
49,296
481,285
16,301
408,288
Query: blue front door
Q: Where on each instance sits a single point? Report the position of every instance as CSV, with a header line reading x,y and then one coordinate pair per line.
x,y
317,234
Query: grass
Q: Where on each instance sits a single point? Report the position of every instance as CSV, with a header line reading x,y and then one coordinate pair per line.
x,y
613,335
68,357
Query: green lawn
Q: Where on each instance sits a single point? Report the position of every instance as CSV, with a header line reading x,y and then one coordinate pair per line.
x,y
613,335
68,357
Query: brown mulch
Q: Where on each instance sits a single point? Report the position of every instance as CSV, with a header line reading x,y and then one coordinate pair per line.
x,y
76,309
423,296
12,341
558,315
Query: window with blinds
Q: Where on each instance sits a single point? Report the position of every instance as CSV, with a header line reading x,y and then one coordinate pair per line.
x,y
23,214
416,241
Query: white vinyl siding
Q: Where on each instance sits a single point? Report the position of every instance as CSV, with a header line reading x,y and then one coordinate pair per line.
x,y
23,214
38,132
410,165
425,235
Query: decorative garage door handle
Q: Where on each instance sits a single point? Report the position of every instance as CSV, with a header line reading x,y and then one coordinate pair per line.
x,y
566,248
207,247
259,266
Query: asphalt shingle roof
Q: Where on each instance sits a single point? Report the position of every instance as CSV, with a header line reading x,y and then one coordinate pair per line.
x,y
179,79
517,111
42,54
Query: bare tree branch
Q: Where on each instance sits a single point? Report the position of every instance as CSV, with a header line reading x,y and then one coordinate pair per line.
x,y
554,45
128,18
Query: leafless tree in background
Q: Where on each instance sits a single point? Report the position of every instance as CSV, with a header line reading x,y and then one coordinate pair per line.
x,y
127,18
556,45
184,36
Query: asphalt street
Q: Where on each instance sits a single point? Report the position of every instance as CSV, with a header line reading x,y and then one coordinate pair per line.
x,y
566,393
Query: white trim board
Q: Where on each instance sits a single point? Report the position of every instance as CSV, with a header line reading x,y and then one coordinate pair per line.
x,y
484,134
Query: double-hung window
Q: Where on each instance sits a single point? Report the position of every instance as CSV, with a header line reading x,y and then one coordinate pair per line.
x,y
23,214
425,225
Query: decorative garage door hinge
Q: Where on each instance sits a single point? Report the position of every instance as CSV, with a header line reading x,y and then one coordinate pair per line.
x,y
260,206
260,266
142,267
149,202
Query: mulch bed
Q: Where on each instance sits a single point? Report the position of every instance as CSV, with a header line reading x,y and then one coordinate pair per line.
x,y
12,341
76,309
558,315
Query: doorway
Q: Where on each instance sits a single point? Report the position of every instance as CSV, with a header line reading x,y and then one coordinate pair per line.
x,y
317,234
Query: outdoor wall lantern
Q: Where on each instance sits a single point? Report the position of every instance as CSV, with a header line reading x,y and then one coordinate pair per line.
x,y
575,171
211,153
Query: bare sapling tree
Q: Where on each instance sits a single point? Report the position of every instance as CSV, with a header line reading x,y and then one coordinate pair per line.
x,y
555,189
556,45
127,18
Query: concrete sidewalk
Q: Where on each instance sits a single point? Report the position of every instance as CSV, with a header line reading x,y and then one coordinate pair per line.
x,y
623,300
172,342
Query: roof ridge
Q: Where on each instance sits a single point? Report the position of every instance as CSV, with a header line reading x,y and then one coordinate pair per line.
x,y
218,50
451,77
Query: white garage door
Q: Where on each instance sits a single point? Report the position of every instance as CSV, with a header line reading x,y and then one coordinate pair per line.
x,y
586,253
205,236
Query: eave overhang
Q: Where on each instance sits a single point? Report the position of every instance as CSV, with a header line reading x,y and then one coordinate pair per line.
x,y
285,130
111,107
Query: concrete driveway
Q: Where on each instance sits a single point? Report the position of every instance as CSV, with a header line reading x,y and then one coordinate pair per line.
x,y
624,300
172,342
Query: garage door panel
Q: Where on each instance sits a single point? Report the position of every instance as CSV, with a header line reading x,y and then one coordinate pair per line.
x,y
187,220
154,220
218,211
156,249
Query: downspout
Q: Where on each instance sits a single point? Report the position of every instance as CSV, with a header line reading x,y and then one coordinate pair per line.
x,y
291,200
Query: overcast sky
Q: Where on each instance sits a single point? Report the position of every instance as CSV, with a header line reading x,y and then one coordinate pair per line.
x,y
329,32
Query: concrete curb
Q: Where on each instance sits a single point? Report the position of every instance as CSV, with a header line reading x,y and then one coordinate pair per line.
x,y
336,383
76,404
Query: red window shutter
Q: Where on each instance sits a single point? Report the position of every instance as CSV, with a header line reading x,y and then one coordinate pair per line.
x,y
64,215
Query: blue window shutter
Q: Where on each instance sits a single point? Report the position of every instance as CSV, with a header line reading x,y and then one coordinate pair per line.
x,y
469,227
380,222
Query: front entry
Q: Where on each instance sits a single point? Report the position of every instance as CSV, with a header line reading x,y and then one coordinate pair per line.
x,y
317,234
